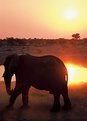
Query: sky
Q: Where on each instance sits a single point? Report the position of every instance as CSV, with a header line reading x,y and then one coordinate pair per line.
x,y
43,18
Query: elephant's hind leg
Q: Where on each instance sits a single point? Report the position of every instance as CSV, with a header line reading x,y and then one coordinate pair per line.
x,y
67,102
56,105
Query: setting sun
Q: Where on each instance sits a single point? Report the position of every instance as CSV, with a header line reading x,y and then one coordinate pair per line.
x,y
70,14
42,19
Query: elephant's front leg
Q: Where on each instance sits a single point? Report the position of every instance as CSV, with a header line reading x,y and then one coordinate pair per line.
x,y
56,105
13,97
25,98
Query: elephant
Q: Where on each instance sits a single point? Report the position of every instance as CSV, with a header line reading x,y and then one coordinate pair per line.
x,y
46,72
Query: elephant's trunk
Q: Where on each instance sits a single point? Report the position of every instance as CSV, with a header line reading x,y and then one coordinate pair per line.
x,y
8,90
7,80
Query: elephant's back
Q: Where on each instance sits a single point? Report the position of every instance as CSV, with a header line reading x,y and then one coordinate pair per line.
x,y
45,72
47,59
48,62
44,60
54,62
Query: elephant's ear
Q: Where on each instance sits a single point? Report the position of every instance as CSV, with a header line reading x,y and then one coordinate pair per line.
x,y
13,63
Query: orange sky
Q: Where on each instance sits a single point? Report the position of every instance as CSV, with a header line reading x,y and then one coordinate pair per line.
x,y
43,18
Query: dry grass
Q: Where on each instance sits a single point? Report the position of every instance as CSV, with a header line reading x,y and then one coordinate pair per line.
x,y
40,104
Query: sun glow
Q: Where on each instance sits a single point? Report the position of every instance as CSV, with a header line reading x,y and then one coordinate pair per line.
x,y
70,14
71,73
76,74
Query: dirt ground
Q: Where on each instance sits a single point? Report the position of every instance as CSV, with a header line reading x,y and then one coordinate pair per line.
x,y
40,104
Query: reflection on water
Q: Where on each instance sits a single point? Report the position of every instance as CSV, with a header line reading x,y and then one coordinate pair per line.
x,y
77,74
1,74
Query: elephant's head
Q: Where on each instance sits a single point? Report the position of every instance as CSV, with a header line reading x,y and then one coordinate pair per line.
x,y
10,65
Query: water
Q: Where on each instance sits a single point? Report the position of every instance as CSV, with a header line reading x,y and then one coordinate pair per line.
x,y
77,74
1,73
72,52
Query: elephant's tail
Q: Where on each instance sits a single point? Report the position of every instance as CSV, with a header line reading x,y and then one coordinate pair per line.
x,y
66,75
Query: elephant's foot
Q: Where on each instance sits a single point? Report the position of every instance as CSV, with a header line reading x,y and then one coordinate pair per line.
x,y
67,107
55,109
24,107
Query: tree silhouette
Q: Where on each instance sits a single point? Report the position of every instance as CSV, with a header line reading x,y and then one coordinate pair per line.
x,y
76,36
